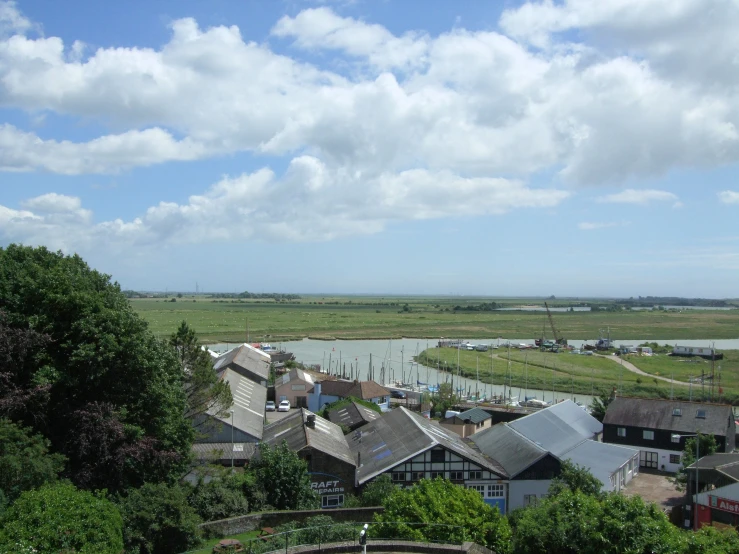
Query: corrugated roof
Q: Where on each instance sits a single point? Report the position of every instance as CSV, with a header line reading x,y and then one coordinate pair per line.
x,y
325,436
649,413
558,428
297,374
509,448
246,356
364,390
222,450
249,400
400,435
602,459
352,415
475,415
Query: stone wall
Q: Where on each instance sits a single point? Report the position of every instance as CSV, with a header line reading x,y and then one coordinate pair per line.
x,y
391,546
250,522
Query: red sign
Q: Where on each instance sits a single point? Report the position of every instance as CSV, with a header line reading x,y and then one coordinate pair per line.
x,y
723,504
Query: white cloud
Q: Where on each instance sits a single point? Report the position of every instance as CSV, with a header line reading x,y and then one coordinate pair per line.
x,y
12,20
592,226
729,197
633,196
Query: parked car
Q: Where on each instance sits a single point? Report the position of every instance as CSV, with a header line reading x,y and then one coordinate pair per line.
x,y
397,394
270,407
284,406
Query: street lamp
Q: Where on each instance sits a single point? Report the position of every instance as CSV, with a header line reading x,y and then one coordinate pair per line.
x,y
697,455
232,440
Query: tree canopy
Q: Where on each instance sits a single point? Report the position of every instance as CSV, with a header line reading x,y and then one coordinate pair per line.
x,y
706,445
60,518
85,354
284,477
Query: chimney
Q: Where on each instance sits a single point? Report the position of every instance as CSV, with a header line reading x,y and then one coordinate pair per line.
x,y
613,394
359,459
311,421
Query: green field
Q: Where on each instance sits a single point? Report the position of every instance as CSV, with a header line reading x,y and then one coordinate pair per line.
x,y
395,317
578,374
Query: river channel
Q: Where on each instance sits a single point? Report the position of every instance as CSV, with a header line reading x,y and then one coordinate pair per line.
x,y
396,357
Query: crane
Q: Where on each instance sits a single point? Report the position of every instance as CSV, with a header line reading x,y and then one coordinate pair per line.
x,y
557,337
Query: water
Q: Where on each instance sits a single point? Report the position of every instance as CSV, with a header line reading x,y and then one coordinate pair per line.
x,y
542,309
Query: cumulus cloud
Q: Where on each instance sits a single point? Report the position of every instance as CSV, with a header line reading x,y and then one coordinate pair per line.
x,y
729,197
592,226
12,20
634,196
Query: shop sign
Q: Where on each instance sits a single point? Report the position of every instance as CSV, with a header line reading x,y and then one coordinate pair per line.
x,y
731,506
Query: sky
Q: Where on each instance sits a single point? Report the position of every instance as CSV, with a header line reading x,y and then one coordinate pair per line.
x,y
569,147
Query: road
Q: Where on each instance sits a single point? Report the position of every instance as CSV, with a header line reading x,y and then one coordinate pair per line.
x,y
631,367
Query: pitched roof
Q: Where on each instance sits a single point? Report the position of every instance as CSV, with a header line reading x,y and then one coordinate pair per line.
x,y
296,374
400,435
352,415
364,390
222,450
249,399
246,356
475,415
651,413
726,463
558,428
600,458
324,436
509,448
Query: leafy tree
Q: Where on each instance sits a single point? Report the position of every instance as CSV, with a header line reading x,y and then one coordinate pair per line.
x,y
599,405
218,499
376,491
459,514
578,523
284,477
25,461
158,519
60,518
445,399
706,446
203,390
575,478
96,351
709,540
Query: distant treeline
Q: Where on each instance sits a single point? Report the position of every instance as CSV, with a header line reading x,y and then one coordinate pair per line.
x,y
256,295
649,301
484,307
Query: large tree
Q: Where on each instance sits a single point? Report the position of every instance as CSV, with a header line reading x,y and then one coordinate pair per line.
x,y
203,390
440,511
284,477
60,518
706,445
98,355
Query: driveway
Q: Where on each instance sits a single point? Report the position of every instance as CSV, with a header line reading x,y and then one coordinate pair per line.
x,y
654,486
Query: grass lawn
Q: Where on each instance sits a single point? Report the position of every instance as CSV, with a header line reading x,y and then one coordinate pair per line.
x,y
393,317
210,543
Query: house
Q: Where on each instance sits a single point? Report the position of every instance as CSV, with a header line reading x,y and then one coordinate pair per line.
x,y
324,448
295,387
651,424
233,434
326,392
247,361
469,422
531,450
352,416
409,447
708,353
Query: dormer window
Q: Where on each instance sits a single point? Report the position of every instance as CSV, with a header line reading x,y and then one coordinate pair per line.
x,y
701,414
677,412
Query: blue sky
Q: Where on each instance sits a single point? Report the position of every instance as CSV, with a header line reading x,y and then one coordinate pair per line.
x,y
408,147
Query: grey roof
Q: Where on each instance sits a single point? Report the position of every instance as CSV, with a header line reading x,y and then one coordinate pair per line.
x,y
246,356
325,436
249,400
509,448
558,428
475,415
296,374
726,463
218,451
649,413
400,435
352,415
364,390
602,459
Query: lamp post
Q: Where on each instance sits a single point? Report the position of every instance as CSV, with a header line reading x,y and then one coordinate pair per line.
x,y
697,455
232,440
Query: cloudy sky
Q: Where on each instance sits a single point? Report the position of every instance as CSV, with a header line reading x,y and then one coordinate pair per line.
x,y
377,146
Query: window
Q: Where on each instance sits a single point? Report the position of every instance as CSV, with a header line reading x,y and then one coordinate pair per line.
x,y
417,475
701,414
677,412
675,438
621,431
674,458
478,488
437,455
437,474
332,501
496,491
529,500
475,474
398,476
456,475
648,435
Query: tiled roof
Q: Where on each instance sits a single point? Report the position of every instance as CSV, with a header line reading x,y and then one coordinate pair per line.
x,y
364,390
475,415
